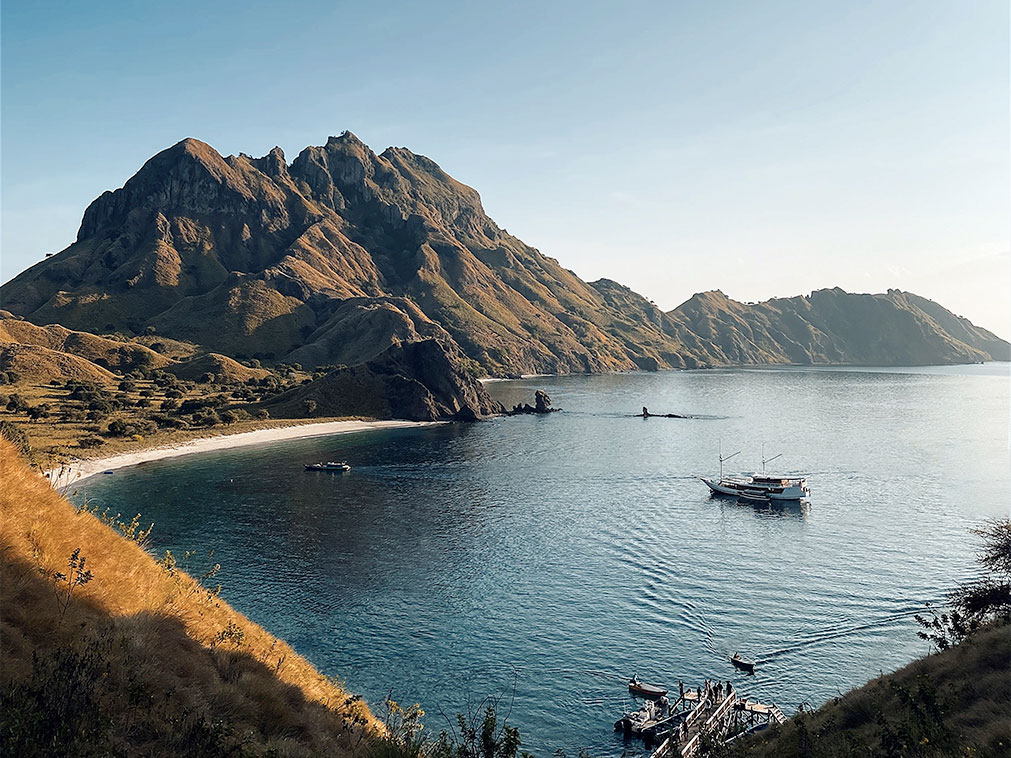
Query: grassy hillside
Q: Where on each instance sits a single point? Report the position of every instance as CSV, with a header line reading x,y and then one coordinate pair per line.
x,y
107,651
955,703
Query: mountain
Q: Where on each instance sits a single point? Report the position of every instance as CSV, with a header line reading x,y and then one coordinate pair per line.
x,y
343,253
832,326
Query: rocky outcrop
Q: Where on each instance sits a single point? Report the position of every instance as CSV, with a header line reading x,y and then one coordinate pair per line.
x,y
419,381
542,405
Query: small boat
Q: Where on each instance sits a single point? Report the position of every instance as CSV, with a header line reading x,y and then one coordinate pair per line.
x,y
648,691
742,663
328,466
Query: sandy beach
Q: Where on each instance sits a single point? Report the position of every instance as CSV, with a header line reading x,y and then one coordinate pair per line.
x,y
78,471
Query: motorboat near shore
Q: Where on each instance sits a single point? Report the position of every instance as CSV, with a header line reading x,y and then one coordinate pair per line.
x,y
341,466
758,487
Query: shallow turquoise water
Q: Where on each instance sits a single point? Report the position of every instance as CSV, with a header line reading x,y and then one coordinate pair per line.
x,y
546,559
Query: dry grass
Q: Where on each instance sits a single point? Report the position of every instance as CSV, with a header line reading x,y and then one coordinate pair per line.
x,y
152,663
955,703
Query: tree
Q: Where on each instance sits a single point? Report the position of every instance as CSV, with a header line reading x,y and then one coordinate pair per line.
x,y
119,428
309,405
974,604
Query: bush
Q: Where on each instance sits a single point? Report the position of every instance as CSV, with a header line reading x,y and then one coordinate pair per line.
x,y
90,442
119,428
16,403
43,410
13,434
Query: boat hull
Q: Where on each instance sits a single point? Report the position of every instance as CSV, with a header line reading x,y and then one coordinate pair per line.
x,y
743,490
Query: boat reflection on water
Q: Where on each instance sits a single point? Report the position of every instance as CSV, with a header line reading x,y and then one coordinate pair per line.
x,y
768,508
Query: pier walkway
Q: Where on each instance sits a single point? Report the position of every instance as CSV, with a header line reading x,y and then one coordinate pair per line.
x,y
716,710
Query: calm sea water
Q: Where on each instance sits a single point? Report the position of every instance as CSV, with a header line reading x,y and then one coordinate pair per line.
x,y
546,559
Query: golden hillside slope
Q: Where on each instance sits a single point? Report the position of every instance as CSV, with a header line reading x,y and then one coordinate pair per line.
x,y
144,660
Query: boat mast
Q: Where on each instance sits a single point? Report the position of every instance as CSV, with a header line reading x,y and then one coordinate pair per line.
x,y
768,460
725,458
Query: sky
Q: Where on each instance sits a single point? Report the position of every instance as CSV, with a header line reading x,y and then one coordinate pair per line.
x,y
762,148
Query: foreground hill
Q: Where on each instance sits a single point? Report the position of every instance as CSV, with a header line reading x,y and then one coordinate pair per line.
x,y
955,703
342,253
139,658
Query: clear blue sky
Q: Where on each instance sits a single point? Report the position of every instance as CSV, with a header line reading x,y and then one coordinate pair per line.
x,y
764,148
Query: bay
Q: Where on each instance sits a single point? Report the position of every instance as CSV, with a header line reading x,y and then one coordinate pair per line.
x,y
544,559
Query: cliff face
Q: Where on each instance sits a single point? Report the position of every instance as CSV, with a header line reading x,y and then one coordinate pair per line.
x,y
419,381
343,253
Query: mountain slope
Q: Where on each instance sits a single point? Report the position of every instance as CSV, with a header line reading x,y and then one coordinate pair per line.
x,y
954,703
343,253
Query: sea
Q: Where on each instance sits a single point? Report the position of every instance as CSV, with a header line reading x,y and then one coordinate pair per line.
x,y
538,562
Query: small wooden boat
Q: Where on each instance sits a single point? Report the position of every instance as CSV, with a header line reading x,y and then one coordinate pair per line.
x,y
328,466
648,691
742,663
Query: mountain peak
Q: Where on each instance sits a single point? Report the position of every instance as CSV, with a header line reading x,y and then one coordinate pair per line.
x,y
346,137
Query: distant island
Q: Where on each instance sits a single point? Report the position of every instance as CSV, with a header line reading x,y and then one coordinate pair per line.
x,y
341,254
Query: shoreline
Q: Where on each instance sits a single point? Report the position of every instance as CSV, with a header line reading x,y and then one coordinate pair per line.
x,y
85,468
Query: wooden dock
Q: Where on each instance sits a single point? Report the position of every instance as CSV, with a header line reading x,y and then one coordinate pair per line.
x,y
715,709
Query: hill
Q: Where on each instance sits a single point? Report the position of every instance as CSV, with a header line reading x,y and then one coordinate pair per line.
x,y
105,353
40,364
343,253
833,326
107,652
418,381
954,703
223,368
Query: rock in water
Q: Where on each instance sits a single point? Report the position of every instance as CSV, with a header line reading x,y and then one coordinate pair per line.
x,y
542,404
